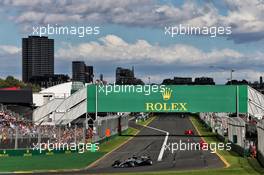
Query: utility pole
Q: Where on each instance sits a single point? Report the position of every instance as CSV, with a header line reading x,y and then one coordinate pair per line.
x,y
231,75
148,80
225,69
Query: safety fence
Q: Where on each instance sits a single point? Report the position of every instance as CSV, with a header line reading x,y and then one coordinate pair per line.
x,y
260,129
109,126
17,141
231,129
15,138
31,152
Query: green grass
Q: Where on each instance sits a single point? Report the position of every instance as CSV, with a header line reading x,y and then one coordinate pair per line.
x,y
116,141
54,162
61,161
145,122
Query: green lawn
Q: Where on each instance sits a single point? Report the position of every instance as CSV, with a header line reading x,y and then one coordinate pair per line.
x,y
61,161
43,162
145,122
116,141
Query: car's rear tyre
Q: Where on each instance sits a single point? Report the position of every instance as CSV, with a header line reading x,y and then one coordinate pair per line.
x,y
132,164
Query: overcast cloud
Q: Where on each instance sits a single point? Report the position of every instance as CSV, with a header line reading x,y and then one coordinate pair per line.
x,y
148,55
245,17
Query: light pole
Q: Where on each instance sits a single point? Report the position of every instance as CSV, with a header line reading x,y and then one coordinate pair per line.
x,y
225,69
231,75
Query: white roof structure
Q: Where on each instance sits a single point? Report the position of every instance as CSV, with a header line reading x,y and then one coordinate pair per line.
x,y
62,107
58,91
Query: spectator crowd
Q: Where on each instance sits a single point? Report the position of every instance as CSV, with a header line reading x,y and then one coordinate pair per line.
x,y
10,125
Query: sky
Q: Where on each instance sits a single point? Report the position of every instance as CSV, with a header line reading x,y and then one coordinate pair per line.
x,y
132,33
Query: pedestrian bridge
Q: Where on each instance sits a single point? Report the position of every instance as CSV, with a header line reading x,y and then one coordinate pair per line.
x,y
160,98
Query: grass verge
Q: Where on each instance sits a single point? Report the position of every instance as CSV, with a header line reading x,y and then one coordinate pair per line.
x,y
146,122
43,162
61,161
109,145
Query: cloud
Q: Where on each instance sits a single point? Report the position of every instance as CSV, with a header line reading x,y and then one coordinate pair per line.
x,y
114,48
10,57
9,50
150,60
25,2
161,62
245,17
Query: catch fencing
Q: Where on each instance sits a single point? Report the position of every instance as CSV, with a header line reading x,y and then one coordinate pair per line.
x,y
115,124
260,130
15,138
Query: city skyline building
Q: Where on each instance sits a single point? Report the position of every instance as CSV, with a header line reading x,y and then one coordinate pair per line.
x,y
126,76
81,72
37,57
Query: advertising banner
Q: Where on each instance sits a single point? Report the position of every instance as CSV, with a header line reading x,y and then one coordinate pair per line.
x,y
166,98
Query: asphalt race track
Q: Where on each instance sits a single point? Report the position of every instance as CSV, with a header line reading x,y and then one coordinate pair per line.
x,y
149,142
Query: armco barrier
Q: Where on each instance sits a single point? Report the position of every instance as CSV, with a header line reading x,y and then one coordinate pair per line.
x,y
238,149
260,158
237,131
23,143
260,130
31,152
221,138
236,126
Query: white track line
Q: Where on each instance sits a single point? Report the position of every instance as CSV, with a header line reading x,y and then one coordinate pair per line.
x,y
164,143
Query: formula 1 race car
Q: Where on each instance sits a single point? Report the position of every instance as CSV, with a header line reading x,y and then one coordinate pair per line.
x,y
133,162
189,132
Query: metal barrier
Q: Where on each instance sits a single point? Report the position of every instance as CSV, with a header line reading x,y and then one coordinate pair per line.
x,y
260,130
110,123
232,129
17,139
237,131
23,134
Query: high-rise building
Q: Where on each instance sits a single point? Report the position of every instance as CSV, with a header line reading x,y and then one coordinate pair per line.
x,y
188,81
37,57
204,81
81,72
101,77
178,81
126,76
89,74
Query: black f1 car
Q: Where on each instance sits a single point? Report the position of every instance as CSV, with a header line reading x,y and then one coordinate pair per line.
x,y
133,162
